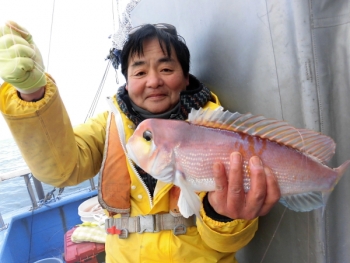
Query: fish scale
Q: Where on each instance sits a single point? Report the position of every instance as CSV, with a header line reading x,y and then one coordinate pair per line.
x,y
195,160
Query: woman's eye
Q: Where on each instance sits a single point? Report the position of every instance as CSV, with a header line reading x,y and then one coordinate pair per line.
x,y
166,70
141,73
147,135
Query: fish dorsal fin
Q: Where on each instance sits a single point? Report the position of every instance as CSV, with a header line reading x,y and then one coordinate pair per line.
x,y
312,143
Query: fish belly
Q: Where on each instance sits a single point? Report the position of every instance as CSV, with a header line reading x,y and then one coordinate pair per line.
x,y
294,171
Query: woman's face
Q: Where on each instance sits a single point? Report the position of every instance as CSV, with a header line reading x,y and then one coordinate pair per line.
x,y
154,80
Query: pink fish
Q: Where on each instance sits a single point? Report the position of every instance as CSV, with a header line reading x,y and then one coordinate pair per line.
x,y
183,153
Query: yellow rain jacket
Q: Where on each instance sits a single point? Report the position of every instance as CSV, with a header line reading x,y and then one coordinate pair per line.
x,y
61,156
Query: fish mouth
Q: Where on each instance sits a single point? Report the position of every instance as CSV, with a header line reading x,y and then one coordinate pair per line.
x,y
158,169
155,165
131,154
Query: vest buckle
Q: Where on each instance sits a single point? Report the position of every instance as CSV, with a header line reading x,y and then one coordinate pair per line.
x,y
147,223
124,233
179,229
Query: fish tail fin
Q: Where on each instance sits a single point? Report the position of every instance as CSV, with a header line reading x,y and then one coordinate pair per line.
x,y
309,201
341,170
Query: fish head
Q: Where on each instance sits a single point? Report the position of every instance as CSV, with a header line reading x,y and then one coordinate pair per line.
x,y
150,149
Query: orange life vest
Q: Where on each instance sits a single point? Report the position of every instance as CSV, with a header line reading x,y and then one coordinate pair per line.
x,y
114,180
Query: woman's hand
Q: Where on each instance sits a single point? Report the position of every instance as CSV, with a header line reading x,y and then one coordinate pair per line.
x,y
229,198
21,63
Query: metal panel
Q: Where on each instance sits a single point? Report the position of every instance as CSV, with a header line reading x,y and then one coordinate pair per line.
x,y
287,60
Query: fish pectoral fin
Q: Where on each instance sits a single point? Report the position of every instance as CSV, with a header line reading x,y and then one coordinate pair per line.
x,y
304,202
189,202
184,206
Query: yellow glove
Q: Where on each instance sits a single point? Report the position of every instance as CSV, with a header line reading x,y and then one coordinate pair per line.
x,y
21,63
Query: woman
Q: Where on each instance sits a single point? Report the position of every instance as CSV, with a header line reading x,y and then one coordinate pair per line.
x,y
144,223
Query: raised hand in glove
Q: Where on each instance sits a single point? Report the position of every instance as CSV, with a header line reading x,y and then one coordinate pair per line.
x,y
21,63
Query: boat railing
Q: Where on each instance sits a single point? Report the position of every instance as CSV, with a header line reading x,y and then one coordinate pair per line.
x,y
27,175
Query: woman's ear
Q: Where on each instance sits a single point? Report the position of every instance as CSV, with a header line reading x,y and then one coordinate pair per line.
x,y
126,86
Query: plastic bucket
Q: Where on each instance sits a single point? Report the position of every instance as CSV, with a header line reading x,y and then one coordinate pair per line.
x,y
49,260
91,211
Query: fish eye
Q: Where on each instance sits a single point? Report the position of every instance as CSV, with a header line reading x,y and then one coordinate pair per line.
x,y
147,135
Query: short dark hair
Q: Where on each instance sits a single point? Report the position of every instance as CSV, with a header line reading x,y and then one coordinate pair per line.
x,y
134,45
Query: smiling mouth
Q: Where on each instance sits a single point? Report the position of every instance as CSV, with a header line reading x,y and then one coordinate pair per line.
x,y
156,96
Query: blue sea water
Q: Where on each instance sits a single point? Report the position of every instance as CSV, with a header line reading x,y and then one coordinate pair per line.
x,y
13,192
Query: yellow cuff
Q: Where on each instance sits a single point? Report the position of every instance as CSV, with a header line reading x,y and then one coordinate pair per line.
x,y
226,237
11,103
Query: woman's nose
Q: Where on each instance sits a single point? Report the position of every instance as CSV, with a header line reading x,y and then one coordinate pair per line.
x,y
154,80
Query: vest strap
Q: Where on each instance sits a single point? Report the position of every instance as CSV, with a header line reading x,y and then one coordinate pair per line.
x,y
148,223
